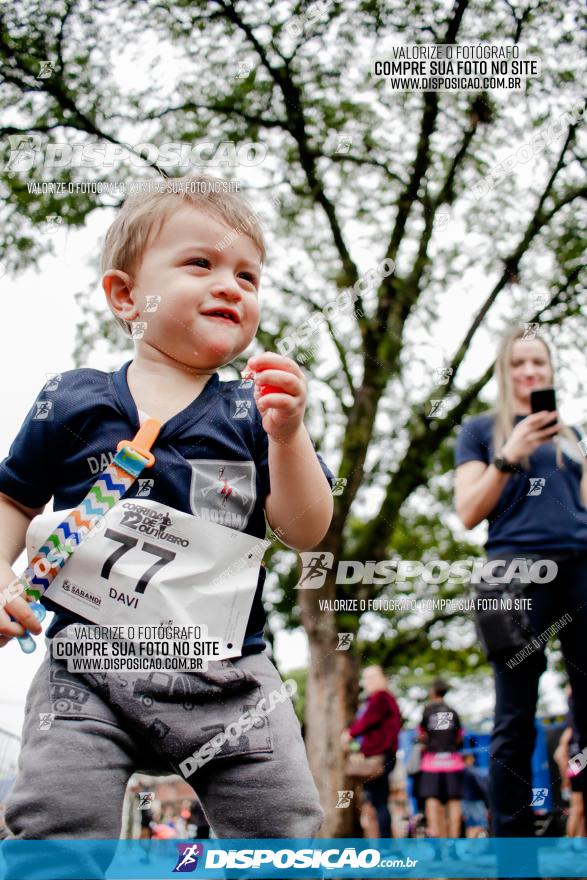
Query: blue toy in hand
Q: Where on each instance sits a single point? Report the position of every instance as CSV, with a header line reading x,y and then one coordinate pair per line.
x,y
27,643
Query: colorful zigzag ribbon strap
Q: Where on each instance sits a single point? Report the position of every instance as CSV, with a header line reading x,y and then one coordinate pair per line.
x,y
131,458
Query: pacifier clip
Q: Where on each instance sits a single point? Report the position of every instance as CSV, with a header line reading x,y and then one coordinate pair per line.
x,y
132,457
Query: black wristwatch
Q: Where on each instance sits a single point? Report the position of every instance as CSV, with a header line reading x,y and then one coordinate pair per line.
x,y
503,465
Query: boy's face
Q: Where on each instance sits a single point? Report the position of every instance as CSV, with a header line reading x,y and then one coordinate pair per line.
x,y
183,266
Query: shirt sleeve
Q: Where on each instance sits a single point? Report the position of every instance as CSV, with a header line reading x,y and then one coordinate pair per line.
x,y
395,711
459,732
27,473
472,443
262,459
423,727
371,717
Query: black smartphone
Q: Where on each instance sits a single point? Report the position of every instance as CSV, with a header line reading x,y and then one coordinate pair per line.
x,y
543,399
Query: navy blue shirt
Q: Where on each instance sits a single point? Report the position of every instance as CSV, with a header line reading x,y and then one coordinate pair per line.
x,y
211,459
553,518
442,727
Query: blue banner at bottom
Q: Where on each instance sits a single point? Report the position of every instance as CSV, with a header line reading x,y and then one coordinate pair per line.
x,y
291,857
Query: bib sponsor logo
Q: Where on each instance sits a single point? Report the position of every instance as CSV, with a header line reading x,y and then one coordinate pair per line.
x,y
223,491
80,593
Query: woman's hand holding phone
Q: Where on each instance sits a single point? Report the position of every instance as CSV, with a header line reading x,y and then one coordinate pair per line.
x,y
528,435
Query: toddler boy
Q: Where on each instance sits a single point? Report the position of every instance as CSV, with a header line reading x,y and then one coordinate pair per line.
x,y
185,284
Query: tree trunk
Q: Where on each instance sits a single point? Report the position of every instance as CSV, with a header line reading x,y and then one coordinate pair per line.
x,y
331,699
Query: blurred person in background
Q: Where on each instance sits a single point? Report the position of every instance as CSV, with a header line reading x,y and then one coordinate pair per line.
x,y
378,726
198,824
475,798
525,473
570,771
441,768
147,819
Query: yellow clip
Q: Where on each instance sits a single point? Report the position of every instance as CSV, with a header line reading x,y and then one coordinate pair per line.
x,y
143,440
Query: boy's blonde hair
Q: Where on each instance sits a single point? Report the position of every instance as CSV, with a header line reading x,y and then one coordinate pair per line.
x,y
143,214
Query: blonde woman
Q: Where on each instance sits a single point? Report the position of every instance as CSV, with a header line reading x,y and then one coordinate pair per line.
x,y
499,455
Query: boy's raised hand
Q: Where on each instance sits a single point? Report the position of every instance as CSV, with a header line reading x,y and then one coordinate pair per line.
x,y
280,393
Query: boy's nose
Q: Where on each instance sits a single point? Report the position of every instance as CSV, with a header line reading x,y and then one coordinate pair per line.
x,y
227,289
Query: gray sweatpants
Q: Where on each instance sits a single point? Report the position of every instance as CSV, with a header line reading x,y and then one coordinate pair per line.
x,y
72,777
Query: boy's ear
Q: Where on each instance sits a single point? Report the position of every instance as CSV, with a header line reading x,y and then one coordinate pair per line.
x,y
118,287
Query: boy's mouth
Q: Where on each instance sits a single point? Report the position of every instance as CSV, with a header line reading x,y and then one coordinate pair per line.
x,y
223,313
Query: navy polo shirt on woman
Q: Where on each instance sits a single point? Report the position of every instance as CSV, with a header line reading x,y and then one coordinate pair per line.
x,y
211,459
538,510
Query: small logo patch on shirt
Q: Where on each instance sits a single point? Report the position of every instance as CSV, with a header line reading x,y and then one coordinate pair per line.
x,y
223,491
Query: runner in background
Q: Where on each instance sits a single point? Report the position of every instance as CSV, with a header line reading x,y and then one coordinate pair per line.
x,y
441,779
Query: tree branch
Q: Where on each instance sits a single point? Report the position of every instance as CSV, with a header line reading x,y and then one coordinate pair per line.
x,y
315,307
292,97
225,109
358,160
389,290
511,263
384,349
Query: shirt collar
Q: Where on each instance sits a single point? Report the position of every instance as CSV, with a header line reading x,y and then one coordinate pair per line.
x,y
193,412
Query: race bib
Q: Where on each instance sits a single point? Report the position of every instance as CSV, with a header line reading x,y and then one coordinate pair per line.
x,y
147,563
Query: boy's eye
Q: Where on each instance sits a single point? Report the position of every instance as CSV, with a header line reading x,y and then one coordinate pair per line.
x,y
204,263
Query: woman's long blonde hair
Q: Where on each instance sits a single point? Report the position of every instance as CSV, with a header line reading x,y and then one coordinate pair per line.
x,y
503,410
